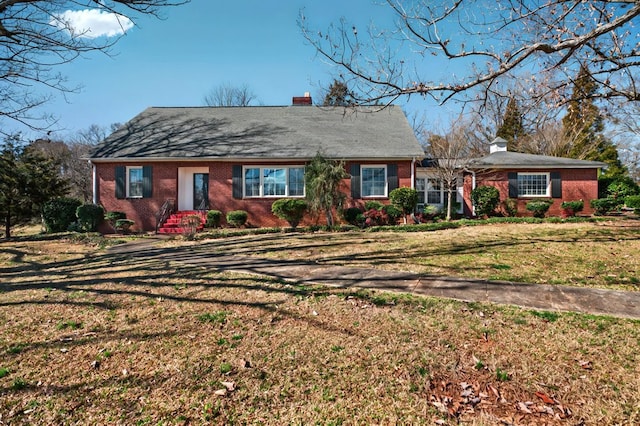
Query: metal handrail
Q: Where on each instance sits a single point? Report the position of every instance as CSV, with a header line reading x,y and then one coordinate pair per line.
x,y
168,207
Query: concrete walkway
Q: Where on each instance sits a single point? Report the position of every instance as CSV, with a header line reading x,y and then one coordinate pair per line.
x,y
535,296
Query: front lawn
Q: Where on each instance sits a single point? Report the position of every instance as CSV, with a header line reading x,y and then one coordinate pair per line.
x,y
92,338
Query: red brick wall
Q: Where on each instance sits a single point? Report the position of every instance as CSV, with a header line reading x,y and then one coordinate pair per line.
x,y
165,181
576,184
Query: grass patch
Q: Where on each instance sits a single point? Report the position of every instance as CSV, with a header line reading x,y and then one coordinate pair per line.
x,y
311,354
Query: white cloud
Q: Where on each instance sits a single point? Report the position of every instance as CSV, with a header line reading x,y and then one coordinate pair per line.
x,y
93,23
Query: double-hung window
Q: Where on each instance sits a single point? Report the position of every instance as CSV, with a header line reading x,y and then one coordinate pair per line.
x,y
434,191
534,185
374,181
134,182
274,181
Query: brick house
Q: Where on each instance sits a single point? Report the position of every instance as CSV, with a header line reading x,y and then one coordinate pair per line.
x,y
526,177
244,158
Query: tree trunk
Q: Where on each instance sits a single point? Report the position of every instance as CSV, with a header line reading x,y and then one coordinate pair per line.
x,y
7,224
449,199
329,216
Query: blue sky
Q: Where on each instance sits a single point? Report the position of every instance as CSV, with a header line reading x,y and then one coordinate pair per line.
x,y
176,60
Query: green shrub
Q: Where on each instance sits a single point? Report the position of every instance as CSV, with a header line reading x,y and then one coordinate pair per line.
x,y
113,217
373,205
485,199
602,206
290,209
539,207
393,213
353,216
123,225
237,218
510,207
572,207
89,217
404,199
622,187
213,218
59,213
633,202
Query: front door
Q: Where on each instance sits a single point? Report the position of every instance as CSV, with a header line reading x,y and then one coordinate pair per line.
x,y
201,191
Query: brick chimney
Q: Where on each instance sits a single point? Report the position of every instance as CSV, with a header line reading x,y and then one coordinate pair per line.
x,y
302,100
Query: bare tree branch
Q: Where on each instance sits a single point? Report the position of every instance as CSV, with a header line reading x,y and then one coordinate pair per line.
x,y
491,42
35,38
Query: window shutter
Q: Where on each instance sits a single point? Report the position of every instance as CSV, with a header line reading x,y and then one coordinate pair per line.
x,y
556,185
392,176
120,181
147,182
513,185
355,181
236,181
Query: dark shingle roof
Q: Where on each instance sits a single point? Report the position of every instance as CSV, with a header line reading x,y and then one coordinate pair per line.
x,y
516,160
288,132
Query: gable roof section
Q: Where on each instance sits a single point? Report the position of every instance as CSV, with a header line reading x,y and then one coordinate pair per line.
x,y
261,133
516,160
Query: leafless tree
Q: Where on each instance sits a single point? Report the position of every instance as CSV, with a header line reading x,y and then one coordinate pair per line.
x,y
452,153
541,44
226,95
36,37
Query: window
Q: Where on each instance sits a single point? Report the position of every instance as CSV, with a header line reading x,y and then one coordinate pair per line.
x,y
434,191
274,182
134,182
534,185
421,189
374,181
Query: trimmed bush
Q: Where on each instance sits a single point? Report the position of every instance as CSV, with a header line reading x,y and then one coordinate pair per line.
x,y
405,199
237,218
602,206
59,213
539,207
89,217
123,225
633,202
373,205
213,218
572,207
353,216
393,214
510,206
290,209
485,199
113,217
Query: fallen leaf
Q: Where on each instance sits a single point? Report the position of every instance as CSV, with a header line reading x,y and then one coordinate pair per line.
x,y
220,392
231,386
523,407
585,364
545,398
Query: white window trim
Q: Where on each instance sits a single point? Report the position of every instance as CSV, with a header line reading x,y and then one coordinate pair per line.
x,y
386,180
261,168
548,191
128,183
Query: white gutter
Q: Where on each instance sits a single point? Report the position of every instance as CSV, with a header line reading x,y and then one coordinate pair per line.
x,y
473,186
94,182
413,173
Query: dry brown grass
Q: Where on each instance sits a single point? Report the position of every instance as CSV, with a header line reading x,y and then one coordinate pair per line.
x,y
601,255
90,338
